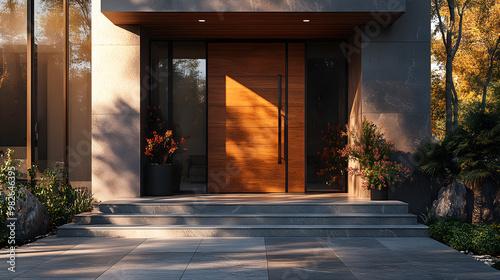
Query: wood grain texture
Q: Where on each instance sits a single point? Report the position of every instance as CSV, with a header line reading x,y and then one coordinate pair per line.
x,y
296,118
243,117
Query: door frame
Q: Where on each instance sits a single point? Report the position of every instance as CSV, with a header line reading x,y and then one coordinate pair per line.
x,y
286,140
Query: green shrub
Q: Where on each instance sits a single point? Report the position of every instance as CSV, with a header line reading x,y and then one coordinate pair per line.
x,y
479,239
9,168
61,200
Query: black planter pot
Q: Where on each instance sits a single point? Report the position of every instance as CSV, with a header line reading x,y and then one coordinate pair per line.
x,y
161,180
382,194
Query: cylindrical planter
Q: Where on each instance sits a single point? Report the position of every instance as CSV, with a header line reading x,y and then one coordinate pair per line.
x,y
382,194
160,180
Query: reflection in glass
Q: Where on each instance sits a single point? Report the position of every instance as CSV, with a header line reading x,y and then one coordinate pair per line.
x,y
159,77
49,30
189,111
13,99
79,94
326,103
187,84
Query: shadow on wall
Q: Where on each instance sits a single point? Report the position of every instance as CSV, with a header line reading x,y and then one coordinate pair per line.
x,y
419,191
116,151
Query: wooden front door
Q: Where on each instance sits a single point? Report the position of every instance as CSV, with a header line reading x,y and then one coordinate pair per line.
x,y
246,138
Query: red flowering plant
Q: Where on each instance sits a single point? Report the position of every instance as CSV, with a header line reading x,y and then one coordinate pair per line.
x,y
372,151
161,146
334,162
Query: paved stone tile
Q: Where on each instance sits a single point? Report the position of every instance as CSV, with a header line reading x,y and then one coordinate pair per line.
x,y
227,266
149,266
36,253
303,258
390,271
71,266
38,278
412,244
244,258
169,245
353,243
233,244
89,259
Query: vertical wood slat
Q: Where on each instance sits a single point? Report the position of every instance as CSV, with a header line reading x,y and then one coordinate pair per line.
x,y
296,117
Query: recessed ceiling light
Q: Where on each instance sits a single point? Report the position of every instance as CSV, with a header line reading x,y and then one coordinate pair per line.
x,y
306,20
201,20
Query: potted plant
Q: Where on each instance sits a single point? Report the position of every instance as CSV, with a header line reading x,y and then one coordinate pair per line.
x,y
160,148
372,151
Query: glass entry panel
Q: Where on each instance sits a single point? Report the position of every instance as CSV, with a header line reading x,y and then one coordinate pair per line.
x,y
50,118
179,87
13,106
326,104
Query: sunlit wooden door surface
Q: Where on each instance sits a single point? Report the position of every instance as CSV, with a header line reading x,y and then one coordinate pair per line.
x,y
243,117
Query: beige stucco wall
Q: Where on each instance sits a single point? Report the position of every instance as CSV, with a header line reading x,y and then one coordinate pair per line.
x,y
115,108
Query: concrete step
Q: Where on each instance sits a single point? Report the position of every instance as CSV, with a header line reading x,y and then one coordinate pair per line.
x,y
385,207
247,219
148,231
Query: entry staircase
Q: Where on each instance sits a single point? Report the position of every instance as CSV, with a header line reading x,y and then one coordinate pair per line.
x,y
195,217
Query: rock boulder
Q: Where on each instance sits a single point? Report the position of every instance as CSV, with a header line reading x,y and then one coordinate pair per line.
x,y
32,216
451,202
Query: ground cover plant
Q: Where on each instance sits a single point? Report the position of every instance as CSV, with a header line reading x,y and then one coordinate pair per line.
x,y
478,239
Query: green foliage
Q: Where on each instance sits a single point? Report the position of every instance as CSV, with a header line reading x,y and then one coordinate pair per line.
x,y
471,153
436,159
61,200
479,239
334,163
372,151
476,144
429,217
9,169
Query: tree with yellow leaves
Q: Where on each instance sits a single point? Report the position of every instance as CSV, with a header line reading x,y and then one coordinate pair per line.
x,y
449,17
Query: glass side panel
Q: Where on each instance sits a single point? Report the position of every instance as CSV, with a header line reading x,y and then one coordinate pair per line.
x,y
187,109
159,77
326,104
79,95
49,30
189,112
13,106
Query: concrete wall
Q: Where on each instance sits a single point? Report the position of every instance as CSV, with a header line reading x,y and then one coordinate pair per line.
x,y
115,108
394,91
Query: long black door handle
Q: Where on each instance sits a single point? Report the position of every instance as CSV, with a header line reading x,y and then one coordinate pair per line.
x,y
279,119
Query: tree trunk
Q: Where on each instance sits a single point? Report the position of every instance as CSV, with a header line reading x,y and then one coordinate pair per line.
x,y
449,95
477,213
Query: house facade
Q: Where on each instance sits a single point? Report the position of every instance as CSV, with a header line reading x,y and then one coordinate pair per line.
x,y
251,85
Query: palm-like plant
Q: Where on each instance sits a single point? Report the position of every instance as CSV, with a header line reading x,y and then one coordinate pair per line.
x,y
471,154
476,144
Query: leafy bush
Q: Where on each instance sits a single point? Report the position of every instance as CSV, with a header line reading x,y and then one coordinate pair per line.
x,y
61,200
10,168
479,239
372,151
